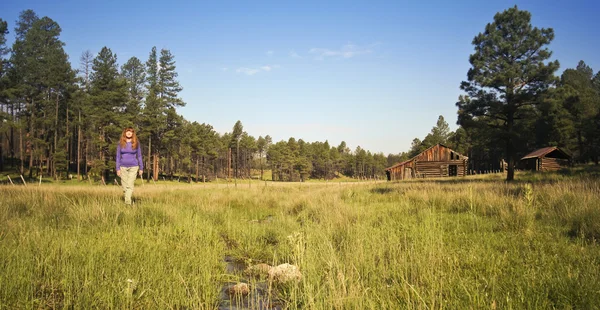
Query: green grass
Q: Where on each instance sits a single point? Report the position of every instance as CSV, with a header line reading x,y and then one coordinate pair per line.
x,y
474,242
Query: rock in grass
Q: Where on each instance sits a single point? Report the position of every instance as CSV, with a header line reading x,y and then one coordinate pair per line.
x,y
239,289
285,273
258,271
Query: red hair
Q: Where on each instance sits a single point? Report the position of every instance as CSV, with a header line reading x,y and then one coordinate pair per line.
x,y
134,140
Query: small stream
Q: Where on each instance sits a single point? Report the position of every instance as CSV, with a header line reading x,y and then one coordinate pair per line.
x,y
257,297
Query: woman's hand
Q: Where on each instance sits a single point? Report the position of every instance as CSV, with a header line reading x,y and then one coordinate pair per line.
x,y
141,172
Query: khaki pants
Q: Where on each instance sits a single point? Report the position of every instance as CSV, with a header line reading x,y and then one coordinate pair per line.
x,y
128,176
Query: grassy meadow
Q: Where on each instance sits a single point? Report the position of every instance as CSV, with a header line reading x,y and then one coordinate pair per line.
x,y
474,242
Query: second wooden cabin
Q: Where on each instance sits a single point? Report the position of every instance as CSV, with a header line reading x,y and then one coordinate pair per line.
x,y
546,159
436,161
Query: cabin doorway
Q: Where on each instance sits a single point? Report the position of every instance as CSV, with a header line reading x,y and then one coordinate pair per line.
x,y
452,170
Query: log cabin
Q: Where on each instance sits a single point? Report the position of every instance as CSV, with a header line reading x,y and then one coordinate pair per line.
x,y
436,161
546,159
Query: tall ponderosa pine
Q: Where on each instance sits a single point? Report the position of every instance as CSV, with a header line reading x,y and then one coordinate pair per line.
x,y
134,73
22,96
236,137
83,107
42,79
261,147
248,148
108,95
83,103
161,100
440,133
582,100
203,143
169,89
508,74
4,117
554,125
51,65
153,119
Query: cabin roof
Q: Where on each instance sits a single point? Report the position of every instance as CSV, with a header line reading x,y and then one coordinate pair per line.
x,y
539,153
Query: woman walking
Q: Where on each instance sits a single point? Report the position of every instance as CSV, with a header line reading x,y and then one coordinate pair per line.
x,y
129,161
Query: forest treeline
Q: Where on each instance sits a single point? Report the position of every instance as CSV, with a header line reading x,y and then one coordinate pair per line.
x,y
61,121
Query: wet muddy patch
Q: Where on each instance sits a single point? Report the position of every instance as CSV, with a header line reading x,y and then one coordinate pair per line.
x,y
256,286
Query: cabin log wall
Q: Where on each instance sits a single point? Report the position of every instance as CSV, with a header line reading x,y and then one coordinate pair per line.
x,y
434,162
553,164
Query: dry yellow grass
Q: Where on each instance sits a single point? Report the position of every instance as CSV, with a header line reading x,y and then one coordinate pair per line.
x,y
450,243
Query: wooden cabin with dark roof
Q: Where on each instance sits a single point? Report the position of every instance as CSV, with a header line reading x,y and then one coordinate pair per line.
x,y
436,161
546,159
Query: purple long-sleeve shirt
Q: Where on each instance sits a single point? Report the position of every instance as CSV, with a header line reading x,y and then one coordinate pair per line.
x,y
128,157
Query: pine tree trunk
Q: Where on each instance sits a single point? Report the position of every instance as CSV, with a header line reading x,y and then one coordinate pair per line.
x,y
237,157
203,170
261,167
509,148
53,154
68,143
581,147
1,152
12,135
150,157
155,167
197,168
79,147
31,138
86,156
171,165
21,168
229,164
101,153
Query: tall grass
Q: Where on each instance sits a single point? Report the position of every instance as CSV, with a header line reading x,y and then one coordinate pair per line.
x,y
474,242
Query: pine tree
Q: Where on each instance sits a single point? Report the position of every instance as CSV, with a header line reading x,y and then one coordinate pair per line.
x,y
234,144
23,95
261,146
108,96
82,111
582,101
441,132
54,75
161,100
508,74
41,78
4,117
134,73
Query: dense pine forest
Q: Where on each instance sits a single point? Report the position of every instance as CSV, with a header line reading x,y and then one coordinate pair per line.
x,y
61,117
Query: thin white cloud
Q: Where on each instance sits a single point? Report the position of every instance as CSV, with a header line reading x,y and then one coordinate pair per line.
x,y
270,53
247,71
346,51
224,69
293,54
253,71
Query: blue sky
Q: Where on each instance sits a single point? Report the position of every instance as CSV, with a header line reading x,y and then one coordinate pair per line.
x,y
375,74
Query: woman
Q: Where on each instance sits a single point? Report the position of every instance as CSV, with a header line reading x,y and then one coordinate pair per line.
x,y
129,161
